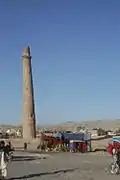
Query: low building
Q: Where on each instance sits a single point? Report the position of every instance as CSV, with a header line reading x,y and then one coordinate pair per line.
x,y
111,133
94,133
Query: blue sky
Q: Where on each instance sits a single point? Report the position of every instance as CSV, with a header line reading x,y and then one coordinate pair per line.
x,y
75,47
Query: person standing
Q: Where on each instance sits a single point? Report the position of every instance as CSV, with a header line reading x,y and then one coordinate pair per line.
x,y
25,146
4,157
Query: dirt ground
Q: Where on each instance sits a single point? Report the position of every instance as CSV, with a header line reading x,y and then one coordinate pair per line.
x,y
62,166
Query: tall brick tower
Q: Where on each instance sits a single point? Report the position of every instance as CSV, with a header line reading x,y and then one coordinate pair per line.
x,y
29,120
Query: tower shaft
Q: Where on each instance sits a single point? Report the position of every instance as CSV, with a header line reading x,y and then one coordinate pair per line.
x,y
29,120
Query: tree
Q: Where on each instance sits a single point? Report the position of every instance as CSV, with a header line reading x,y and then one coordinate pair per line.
x,y
101,132
118,131
79,128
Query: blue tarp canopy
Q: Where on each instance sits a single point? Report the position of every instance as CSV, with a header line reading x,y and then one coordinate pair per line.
x,y
117,139
72,136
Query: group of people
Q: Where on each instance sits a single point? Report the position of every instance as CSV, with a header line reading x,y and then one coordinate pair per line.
x,y
4,158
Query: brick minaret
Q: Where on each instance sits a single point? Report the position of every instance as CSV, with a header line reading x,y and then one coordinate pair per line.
x,y
29,121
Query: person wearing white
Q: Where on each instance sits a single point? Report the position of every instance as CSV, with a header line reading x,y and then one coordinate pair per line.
x,y
114,154
114,165
3,166
113,151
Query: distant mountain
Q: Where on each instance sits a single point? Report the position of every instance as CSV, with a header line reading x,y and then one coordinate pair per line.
x,y
69,122
104,124
71,125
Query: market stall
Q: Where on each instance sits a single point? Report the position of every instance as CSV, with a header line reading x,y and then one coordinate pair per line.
x,y
76,142
77,146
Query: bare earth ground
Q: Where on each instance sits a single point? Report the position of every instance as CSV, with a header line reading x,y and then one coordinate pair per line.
x,y
68,166
32,145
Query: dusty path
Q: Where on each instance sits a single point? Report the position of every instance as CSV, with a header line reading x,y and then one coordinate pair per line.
x,y
60,166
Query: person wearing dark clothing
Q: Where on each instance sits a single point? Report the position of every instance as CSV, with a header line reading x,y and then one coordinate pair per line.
x,y
4,149
8,149
9,145
25,146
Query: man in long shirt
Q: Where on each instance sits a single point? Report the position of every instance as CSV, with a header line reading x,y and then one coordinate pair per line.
x,y
116,159
118,156
4,156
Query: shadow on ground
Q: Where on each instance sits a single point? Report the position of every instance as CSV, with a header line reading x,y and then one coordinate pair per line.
x,y
26,158
44,174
